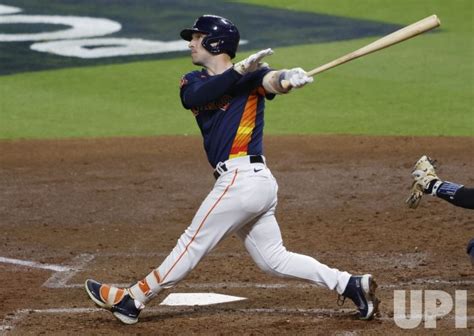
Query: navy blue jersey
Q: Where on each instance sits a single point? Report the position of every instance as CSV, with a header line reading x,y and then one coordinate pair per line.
x,y
229,110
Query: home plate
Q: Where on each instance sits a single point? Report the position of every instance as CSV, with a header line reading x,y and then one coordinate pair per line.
x,y
198,299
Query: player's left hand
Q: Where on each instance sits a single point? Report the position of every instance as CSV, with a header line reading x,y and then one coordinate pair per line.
x,y
252,63
297,77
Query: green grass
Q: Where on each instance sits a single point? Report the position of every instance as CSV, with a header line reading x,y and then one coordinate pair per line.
x,y
423,86
128,99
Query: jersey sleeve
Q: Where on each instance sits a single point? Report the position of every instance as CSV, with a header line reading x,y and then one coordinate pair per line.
x,y
255,80
195,92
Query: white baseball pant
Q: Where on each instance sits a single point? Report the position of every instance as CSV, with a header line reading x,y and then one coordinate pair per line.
x,y
243,201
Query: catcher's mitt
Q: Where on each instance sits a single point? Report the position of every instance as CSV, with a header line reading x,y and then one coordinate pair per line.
x,y
423,173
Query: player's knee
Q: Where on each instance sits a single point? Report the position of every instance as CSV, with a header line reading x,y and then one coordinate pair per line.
x,y
273,263
263,266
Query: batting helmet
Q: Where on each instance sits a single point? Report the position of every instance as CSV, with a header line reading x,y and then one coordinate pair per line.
x,y
222,36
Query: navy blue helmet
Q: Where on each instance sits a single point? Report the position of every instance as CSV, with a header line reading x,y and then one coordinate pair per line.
x,y
222,36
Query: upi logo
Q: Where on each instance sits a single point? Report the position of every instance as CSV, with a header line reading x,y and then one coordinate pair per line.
x,y
437,303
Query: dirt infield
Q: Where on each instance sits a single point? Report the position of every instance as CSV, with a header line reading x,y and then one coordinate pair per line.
x,y
112,209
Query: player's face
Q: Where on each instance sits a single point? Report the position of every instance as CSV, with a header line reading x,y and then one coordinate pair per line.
x,y
199,55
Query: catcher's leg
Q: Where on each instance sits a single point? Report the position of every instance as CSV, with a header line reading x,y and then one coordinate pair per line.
x,y
470,250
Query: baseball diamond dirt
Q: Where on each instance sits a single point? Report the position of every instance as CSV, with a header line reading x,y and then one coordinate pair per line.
x,y
113,208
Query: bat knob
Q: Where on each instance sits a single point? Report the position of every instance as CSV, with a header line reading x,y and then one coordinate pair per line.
x,y
285,84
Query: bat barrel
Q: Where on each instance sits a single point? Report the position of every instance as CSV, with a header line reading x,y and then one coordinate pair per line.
x,y
398,36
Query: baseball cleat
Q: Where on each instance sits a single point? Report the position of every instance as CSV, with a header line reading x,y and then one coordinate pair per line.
x,y
361,290
117,300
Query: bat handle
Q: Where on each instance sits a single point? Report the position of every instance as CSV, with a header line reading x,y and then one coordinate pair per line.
x,y
285,84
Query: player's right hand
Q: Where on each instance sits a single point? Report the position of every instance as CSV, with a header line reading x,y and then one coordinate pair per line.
x,y
252,63
297,77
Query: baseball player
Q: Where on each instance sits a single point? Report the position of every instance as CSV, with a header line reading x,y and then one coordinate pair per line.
x,y
427,182
228,102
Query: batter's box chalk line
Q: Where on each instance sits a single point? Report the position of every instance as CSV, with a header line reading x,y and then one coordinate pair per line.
x,y
34,264
22,314
63,274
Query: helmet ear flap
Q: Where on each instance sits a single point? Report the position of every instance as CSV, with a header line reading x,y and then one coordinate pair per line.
x,y
212,44
220,44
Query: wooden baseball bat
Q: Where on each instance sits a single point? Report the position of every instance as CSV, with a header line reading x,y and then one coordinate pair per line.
x,y
400,35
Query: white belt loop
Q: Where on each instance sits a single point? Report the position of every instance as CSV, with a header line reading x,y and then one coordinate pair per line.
x,y
219,168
